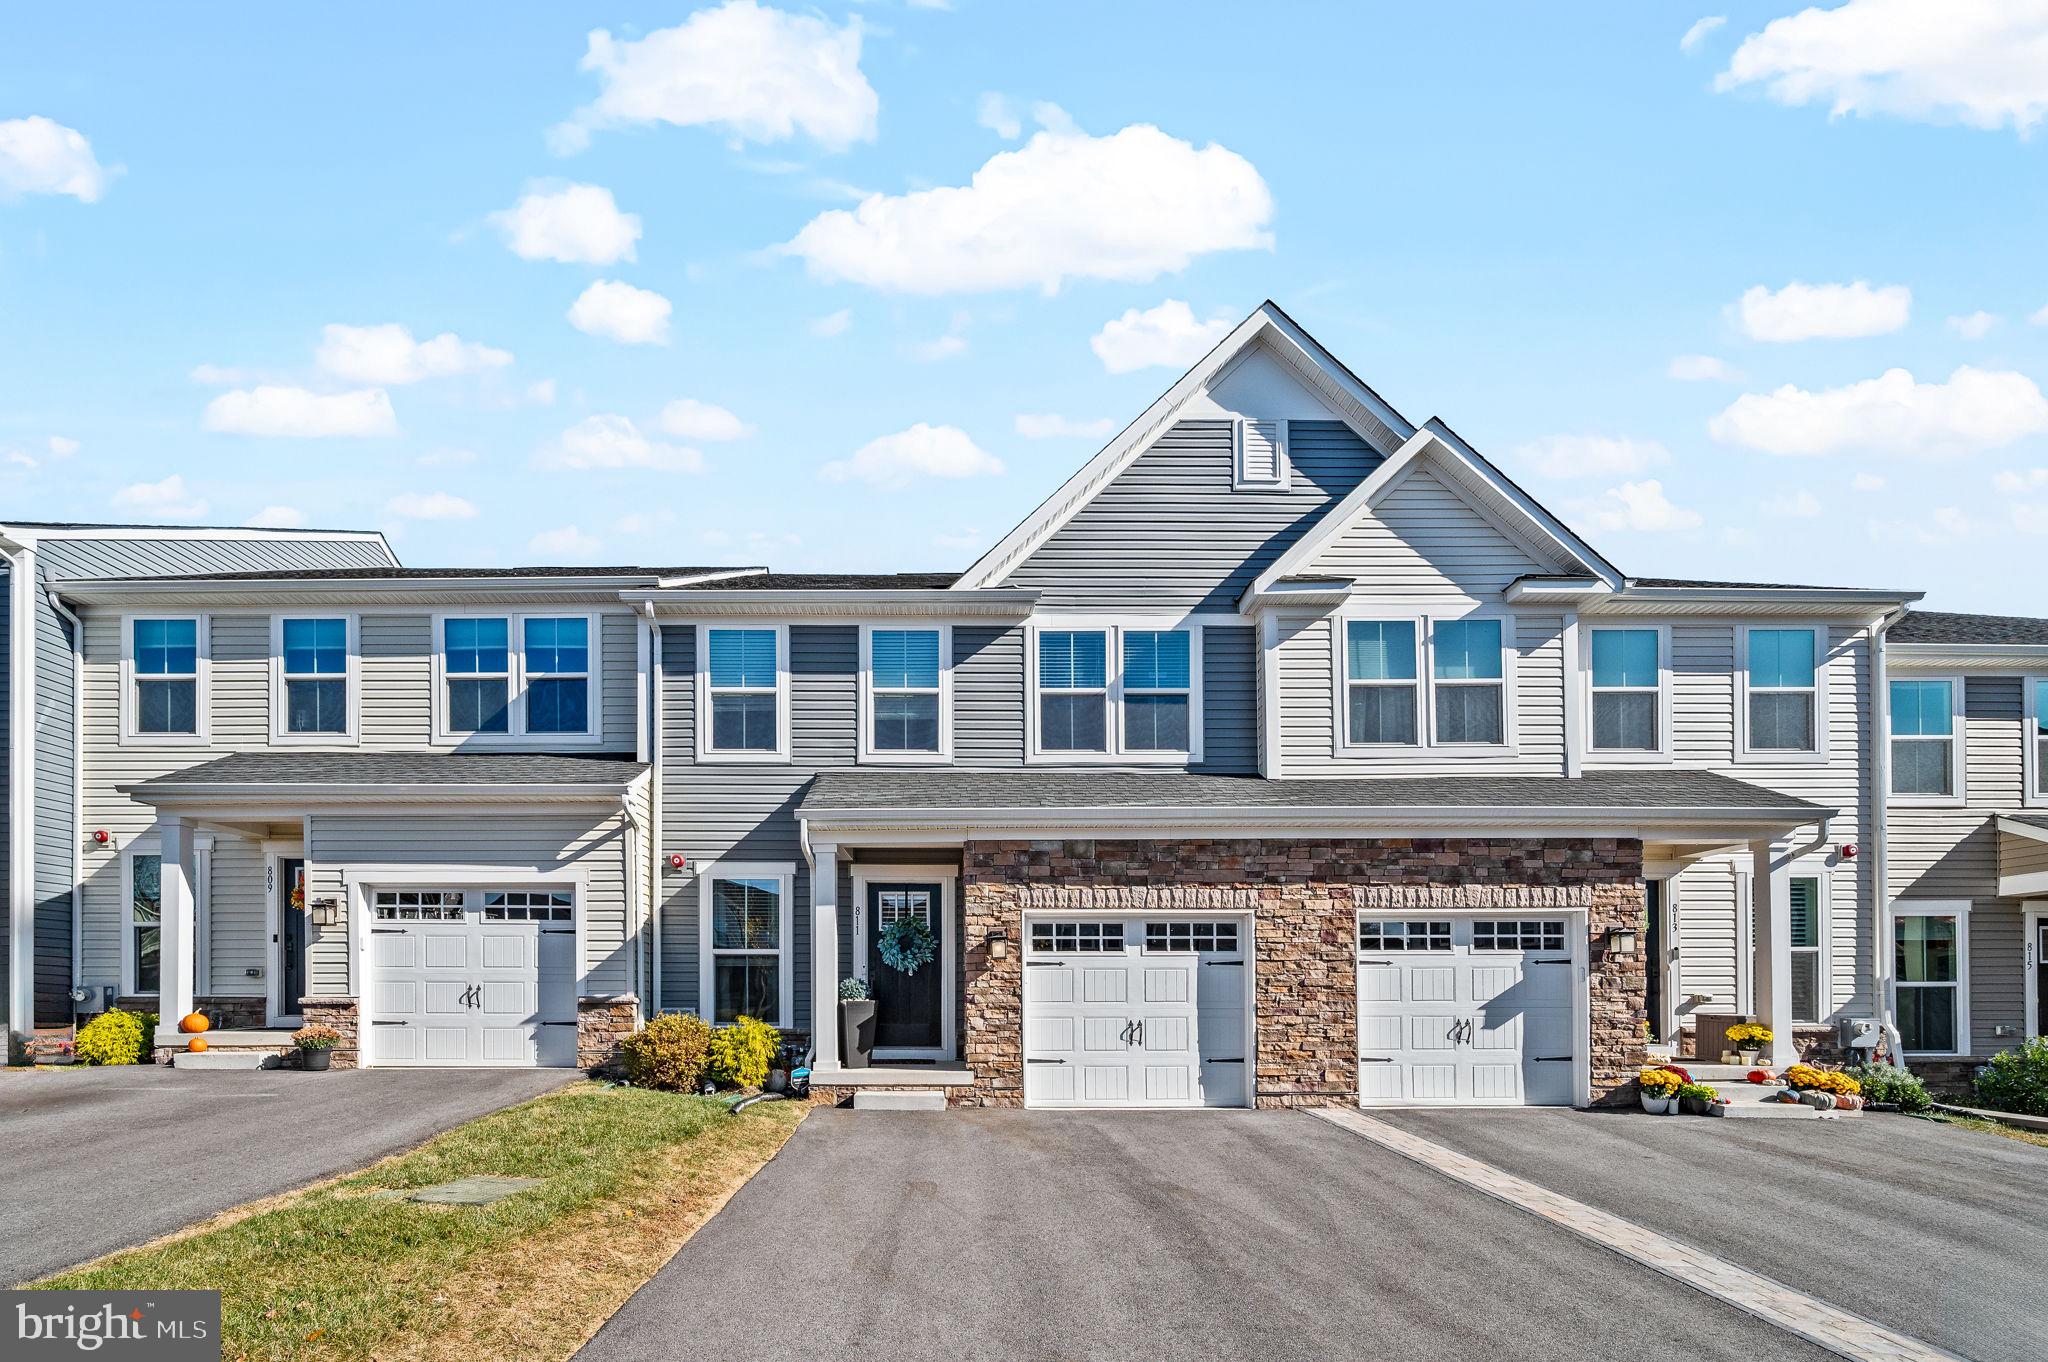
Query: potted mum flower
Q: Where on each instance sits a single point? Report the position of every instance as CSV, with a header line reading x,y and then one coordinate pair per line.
x,y
1749,1040
1660,1091
316,1046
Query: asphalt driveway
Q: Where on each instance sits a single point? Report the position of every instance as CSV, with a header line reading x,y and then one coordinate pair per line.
x,y
1129,1234
98,1159
1938,1232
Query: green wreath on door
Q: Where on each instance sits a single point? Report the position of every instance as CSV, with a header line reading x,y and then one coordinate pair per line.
x,y
907,944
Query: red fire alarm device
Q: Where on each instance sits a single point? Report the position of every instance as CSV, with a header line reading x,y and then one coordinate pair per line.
x,y
678,861
100,835
1848,851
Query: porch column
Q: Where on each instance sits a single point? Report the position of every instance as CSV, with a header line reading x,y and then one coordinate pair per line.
x,y
1770,887
824,955
177,938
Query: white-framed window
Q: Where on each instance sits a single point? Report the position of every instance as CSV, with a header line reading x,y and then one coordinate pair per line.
x,y
1811,1000
164,674
2036,755
1926,739
1260,459
747,912
906,693
743,692
1053,937
1382,686
145,915
1783,701
1628,703
1931,975
1125,692
314,678
1404,934
1518,934
1468,682
530,679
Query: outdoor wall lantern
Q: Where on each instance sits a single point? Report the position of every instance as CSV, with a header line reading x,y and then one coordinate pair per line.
x,y
998,943
325,913
1621,941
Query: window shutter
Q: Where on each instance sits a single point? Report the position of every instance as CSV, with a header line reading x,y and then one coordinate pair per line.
x,y
1259,453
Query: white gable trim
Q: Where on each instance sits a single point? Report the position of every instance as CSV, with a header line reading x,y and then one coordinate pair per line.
x,y
1268,325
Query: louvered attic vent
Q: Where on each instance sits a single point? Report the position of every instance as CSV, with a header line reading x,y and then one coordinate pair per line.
x,y
1261,453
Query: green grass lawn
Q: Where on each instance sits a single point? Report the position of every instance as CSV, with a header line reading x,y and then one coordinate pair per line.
x,y
337,1272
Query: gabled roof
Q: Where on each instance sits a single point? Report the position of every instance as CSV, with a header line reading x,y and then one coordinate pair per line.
x,y
1368,414
1941,626
382,777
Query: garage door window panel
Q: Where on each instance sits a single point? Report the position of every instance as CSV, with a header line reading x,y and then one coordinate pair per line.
x,y
1077,938
1204,937
1518,934
1404,934
419,905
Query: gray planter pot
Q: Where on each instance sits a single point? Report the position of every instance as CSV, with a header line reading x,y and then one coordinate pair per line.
x,y
857,1033
315,1061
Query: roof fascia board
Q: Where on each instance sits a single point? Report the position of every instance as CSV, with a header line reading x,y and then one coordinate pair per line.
x,y
1000,603
1968,654
29,534
268,795
2019,829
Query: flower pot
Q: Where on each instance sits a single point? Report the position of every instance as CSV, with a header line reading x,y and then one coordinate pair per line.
x,y
315,1061
857,1033
1659,1106
1749,1057
1693,1106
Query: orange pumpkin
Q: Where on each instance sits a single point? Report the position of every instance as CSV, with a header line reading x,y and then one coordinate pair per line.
x,y
193,1023
195,1046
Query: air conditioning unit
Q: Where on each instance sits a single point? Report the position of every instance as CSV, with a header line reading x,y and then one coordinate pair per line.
x,y
1859,1033
92,997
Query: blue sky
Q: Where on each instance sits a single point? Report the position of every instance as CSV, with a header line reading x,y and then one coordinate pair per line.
x,y
1517,218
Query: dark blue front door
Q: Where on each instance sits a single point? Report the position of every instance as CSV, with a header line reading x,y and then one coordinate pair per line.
x,y
906,1005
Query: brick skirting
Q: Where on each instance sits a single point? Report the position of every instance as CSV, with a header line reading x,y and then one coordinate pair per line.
x,y
1304,897
602,1021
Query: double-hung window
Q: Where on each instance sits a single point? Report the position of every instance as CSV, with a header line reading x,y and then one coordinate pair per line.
x,y
166,699
2037,743
906,701
477,657
1626,691
313,679
1469,682
1930,958
1158,682
1924,751
556,660
1810,1002
744,692
746,929
1782,681
145,922
531,679
1380,682
1073,690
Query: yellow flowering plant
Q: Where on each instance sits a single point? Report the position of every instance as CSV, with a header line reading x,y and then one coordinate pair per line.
x,y
1750,1036
1659,1082
1809,1079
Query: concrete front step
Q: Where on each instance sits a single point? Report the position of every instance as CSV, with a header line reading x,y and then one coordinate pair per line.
x,y
226,1059
899,1099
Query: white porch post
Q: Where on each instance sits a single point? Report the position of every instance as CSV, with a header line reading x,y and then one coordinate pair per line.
x,y
824,955
1770,885
177,936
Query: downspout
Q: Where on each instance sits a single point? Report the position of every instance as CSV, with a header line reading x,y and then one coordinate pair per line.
x,y
20,1000
77,625
1880,877
651,736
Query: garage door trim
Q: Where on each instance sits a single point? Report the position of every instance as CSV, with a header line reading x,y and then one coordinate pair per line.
x,y
359,881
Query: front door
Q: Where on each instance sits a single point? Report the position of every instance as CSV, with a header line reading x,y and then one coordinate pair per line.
x,y
291,934
2041,977
907,1006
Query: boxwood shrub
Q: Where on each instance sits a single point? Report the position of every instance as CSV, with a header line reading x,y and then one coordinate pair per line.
x,y
2017,1080
116,1037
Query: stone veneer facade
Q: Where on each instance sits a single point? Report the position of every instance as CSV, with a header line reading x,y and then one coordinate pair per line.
x,y
339,1013
1305,897
602,1021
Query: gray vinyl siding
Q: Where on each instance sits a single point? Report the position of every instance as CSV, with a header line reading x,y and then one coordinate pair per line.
x,y
1230,700
6,774
1169,531
1952,853
1421,539
594,843
988,696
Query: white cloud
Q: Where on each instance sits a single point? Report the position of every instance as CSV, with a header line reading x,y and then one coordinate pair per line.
x,y
614,442
1589,456
1982,63
1130,206
645,522
567,542
1868,482
688,419
166,500
541,393
277,518
1799,505
1167,335
297,413
942,347
923,451
61,446
633,316
996,113
835,323
1799,311
1051,427
756,74
2029,480
1702,369
1944,525
21,458
1638,506
38,156
388,354
1697,34
1891,414
578,224
1975,326
429,506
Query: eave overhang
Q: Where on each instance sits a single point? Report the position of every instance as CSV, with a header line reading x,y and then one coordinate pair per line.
x,y
1004,603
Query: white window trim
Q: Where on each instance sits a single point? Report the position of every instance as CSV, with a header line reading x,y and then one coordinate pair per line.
x,y
202,880
1660,755
1957,746
280,710
1959,909
2033,915
515,682
869,754
1113,630
1822,650
1824,924
784,874
706,753
1426,744
947,878
1284,458
202,717
2031,757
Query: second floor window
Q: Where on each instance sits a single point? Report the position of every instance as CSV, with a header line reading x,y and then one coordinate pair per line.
x,y
478,656
1470,682
1118,691
744,672
1625,690
1157,682
1380,681
1784,691
165,662
314,661
1073,690
1923,751
904,674
557,662
531,677
2037,734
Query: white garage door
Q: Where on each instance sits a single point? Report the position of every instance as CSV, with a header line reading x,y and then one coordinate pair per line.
x,y
1135,1013
1460,1011
473,977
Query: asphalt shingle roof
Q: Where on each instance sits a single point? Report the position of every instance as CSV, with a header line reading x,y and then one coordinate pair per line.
x,y
1941,626
394,574
402,768
840,790
831,581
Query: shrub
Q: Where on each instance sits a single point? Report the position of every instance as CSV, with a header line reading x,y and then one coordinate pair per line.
x,y
315,1036
2017,1080
1890,1083
668,1053
741,1053
1699,1091
853,990
117,1037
